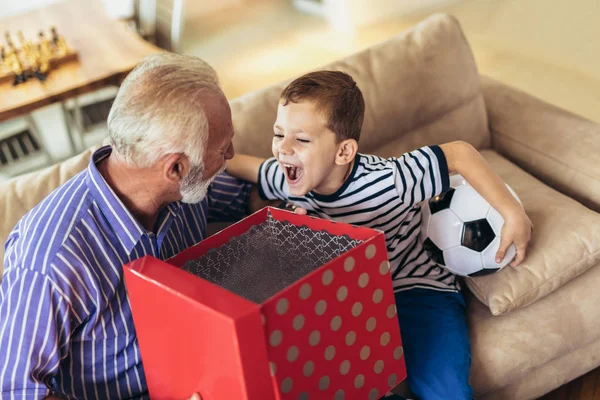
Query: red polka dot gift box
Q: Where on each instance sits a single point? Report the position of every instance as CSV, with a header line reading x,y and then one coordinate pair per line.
x,y
277,306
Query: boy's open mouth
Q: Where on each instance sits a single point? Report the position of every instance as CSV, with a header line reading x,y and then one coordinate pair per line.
x,y
293,173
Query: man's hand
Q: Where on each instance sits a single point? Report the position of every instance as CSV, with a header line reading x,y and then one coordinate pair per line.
x,y
517,229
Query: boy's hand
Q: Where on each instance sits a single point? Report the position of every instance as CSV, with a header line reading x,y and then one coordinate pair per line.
x,y
517,229
296,209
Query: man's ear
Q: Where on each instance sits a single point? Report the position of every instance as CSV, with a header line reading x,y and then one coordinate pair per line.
x,y
175,167
347,150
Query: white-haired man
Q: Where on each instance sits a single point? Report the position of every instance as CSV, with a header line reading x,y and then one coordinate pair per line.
x,y
65,322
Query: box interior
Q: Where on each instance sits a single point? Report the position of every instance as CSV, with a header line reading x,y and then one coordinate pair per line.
x,y
268,257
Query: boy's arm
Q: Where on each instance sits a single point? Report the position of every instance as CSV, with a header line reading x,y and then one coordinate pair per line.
x,y
464,159
244,167
247,168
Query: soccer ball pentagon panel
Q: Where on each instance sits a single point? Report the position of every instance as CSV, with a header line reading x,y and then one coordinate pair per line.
x,y
461,231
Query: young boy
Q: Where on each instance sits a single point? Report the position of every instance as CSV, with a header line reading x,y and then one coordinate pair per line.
x,y
316,166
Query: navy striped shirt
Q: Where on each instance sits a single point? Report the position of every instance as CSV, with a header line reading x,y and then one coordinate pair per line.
x,y
382,194
65,320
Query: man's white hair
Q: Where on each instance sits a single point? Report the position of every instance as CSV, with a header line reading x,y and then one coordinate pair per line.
x,y
158,109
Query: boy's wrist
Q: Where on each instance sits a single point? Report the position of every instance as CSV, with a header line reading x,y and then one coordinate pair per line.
x,y
513,213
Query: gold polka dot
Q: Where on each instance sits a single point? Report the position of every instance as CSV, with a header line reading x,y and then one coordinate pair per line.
x,y
357,309
303,396
377,296
371,324
374,394
305,291
378,366
349,264
371,251
298,322
273,368
345,367
391,311
350,338
309,368
286,385
336,323
342,293
327,277
276,338
385,339
314,338
329,353
282,306
321,307
292,354
324,383
359,381
365,352
339,395
384,267
398,353
392,380
363,280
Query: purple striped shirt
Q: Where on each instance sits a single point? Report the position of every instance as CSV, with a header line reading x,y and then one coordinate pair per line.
x,y
65,320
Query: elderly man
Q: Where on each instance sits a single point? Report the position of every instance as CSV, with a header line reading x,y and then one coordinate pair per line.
x,y
65,321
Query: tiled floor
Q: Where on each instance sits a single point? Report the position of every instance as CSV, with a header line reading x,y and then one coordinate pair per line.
x,y
549,49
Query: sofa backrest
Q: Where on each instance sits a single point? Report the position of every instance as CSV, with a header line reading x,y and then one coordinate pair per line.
x,y
420,87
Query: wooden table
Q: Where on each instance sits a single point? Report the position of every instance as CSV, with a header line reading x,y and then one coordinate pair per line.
x,y
108,51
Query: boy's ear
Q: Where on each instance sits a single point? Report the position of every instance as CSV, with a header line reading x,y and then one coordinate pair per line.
x,y
347,150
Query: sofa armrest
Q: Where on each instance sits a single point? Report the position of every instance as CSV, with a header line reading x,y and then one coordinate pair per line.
x,y
558,147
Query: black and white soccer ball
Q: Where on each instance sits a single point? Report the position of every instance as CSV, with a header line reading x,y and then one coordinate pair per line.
x,y
461,231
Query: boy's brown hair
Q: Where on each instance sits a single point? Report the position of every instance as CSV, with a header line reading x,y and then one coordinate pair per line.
x,y
336,95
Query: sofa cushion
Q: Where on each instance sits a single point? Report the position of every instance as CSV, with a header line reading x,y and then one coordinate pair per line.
x,y
565,243
422,78
21,194
508,347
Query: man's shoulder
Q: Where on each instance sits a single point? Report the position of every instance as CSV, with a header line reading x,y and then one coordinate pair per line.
x,y
40,234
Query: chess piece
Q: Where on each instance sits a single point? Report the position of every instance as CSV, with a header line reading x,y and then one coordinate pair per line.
x,y
12,60
45,54
29,55
59,42
2,58
9,41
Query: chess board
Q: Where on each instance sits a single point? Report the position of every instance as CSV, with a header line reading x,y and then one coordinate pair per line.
x,y
6,75
55,59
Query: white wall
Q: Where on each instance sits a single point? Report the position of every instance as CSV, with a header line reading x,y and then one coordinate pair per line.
x,y
12,7
115,8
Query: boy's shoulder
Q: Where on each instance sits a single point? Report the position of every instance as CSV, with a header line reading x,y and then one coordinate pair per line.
x,y
374,163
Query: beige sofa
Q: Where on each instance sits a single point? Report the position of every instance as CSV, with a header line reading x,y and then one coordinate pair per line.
x,y
534,327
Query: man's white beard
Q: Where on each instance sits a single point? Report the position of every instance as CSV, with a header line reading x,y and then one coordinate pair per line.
x,y
193,189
